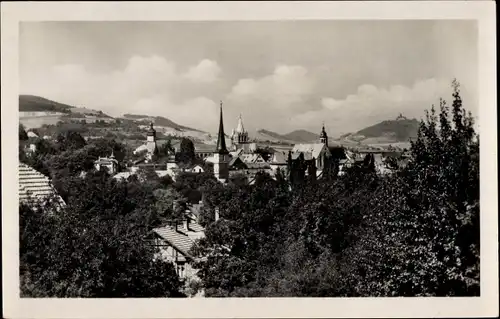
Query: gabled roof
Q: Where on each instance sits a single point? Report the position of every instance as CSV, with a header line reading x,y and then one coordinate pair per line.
x,y
236,160
250,158
314,149
236,153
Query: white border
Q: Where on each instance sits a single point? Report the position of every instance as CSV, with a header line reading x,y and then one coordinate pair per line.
x,y
486,305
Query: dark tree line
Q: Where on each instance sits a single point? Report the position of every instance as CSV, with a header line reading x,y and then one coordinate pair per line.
x,y
411,233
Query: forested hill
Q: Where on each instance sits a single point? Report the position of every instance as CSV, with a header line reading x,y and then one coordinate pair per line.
x,y
32,103
158,121
401,129
302,136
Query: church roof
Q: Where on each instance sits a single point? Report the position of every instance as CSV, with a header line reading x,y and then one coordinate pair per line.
x,y
221,137
313,149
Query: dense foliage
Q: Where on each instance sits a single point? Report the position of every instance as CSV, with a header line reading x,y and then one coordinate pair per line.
x,y
414,232
411,233
96,246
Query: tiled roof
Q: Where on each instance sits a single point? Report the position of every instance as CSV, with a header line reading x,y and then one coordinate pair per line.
x,y
313,149
181,239
33,184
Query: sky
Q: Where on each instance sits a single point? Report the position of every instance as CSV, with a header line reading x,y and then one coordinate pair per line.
x,y
279,75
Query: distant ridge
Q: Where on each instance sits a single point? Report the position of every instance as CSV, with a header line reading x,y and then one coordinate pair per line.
x,y
401,129
158,121
32,103
302,136
297,136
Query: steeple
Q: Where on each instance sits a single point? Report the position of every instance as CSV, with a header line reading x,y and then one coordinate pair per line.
x,y
221,137
240,128
323,137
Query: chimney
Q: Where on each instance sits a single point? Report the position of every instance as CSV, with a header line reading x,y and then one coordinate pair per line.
x,y
216,213
188,221
185,224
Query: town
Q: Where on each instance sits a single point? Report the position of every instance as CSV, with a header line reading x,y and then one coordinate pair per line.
x,y
211,159
175,239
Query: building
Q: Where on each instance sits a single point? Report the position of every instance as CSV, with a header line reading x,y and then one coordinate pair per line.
x,y
34,187
175,241
239,137
152,148
108,163
221,154
319,152
278,161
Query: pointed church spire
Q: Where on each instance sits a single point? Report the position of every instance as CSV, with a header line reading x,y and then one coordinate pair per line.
x,y
221,138
240,128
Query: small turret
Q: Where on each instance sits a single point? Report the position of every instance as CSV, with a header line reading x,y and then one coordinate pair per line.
x,y
323,137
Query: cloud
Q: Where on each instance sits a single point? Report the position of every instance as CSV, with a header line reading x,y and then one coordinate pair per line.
x,y
145,85
286,88
371,104
206,71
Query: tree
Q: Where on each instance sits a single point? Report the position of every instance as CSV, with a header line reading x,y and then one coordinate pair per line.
x,y
23,136
422,235
69,140
186,153
94,248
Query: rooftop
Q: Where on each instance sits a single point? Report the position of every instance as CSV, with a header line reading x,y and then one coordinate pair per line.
x,y
33,184
181,239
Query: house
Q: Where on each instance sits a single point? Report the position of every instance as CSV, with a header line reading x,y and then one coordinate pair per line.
x,y
34,187
108,163
196,169
317,151
203,151
278,161
175,241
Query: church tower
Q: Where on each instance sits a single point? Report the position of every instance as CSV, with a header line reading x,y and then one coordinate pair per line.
x,y
221,154
151,143
323,137
239,136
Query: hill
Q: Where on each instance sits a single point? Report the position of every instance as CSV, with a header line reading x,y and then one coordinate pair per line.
x,y
297,136
400,130
32,103
302,136
158,121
